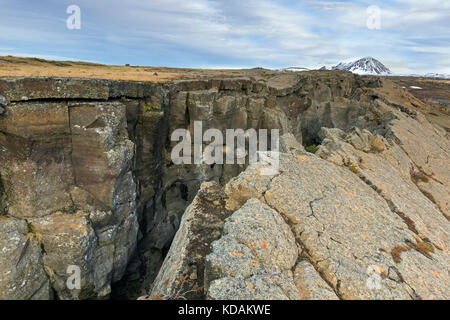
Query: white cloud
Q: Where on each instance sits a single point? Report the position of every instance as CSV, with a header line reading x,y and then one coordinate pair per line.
x,y
250,33
6,52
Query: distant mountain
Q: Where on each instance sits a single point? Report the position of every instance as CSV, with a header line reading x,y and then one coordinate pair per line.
x,y
437,75
370,66
363,66
431,75
295,69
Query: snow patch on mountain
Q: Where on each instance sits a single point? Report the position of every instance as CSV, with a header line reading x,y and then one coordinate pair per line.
x,y
295,69
437,75
364,66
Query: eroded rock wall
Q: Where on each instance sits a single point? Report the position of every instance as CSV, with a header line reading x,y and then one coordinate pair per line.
x,y
66,168
368,212
87,180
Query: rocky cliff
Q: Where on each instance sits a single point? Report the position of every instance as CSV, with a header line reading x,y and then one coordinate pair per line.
x,y
87,180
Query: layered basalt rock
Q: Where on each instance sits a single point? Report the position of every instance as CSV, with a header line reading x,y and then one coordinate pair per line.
x,y
66,169
87,180
363,210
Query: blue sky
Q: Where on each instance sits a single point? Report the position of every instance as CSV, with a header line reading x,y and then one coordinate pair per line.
x,y
414,36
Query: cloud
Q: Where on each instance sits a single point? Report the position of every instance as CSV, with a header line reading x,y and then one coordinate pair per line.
x,y
8,51
208,33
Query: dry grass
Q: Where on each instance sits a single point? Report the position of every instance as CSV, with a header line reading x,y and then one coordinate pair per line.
x,y
27,67
431,88
33,67
424,99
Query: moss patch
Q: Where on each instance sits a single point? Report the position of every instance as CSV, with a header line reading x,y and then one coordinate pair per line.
x,y
31,228
353,169
312,148
152,108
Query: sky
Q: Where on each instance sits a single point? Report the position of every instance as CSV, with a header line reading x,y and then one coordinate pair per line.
x,y
408,36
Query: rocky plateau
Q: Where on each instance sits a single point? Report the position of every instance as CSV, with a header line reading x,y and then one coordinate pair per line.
x,y
359,209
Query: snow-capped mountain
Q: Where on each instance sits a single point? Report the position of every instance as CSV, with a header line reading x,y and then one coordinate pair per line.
x,y
363,66
427,75
370,66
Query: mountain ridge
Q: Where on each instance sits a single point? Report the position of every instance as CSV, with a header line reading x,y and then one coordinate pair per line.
x,y
367,65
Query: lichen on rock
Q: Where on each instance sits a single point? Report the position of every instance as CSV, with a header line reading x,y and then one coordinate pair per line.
x,y
87,179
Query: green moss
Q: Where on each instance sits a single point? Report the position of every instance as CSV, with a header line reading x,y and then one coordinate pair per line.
x,y
152,108
353,169
312,148
31,228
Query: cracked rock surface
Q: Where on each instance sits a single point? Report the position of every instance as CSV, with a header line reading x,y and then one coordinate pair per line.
x,y
346,232
255,256
86,179
347,235
368,211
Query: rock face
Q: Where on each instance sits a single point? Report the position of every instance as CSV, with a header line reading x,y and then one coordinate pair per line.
x,y
202,223
86,180
66,169
22,275
363,210
3,103
331,237
254,257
